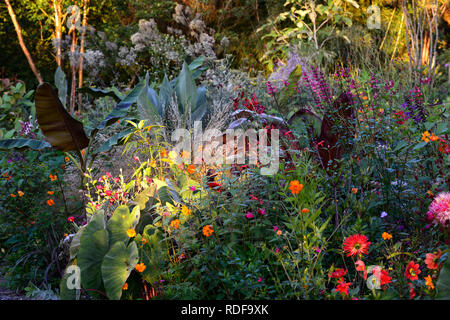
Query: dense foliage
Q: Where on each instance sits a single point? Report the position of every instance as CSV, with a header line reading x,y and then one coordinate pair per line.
x,y
97,203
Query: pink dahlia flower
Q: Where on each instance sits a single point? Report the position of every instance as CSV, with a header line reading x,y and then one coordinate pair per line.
x,y
439,210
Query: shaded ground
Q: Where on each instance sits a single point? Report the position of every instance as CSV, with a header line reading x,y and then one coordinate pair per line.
x,y
6,294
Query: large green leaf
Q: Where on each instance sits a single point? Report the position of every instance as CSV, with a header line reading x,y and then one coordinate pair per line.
x,y
100,93
152,253
117,266
94,246
65,292
186,90
148,103
165,92
201,105
121,221
19,144
62,131
443,283
122,108
115,140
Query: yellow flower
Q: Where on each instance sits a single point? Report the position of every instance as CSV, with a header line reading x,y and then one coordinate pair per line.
x,y
172,155
425,136
185,210
386,236
429,282
131,233
140,267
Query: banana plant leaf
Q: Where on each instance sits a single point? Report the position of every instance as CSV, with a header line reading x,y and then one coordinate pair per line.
x,y
20,144
100,93
62,131
122,108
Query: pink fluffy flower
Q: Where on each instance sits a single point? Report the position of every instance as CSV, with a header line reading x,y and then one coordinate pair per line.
x,y
439,210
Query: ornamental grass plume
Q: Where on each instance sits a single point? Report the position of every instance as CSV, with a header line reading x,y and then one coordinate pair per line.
x,y
439,210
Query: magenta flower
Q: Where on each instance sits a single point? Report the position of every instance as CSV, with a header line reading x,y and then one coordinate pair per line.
x,y
261,211
249,215
439,210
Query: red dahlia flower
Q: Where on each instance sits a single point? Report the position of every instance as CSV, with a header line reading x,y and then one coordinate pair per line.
x,y
338,273
343,286
356,244
412,271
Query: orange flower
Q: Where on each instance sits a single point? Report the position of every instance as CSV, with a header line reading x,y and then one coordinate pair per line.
x,y
144,241
191,169
125,286
354,190
82,152
361,266
433,137
50,202
295,187
164,153
20,193
13,195
305,210
185,210
425,136
66,159
386,236
175,224
429,282
53,177
279,232
50,192
131,233
208,230
432,260
364,98
140,267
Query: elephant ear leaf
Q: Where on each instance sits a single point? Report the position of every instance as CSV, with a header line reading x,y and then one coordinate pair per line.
x,y
62,131
443,282
117,266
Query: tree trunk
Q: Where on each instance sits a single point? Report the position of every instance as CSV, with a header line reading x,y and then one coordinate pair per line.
x,y
57,8
22,43
82,43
